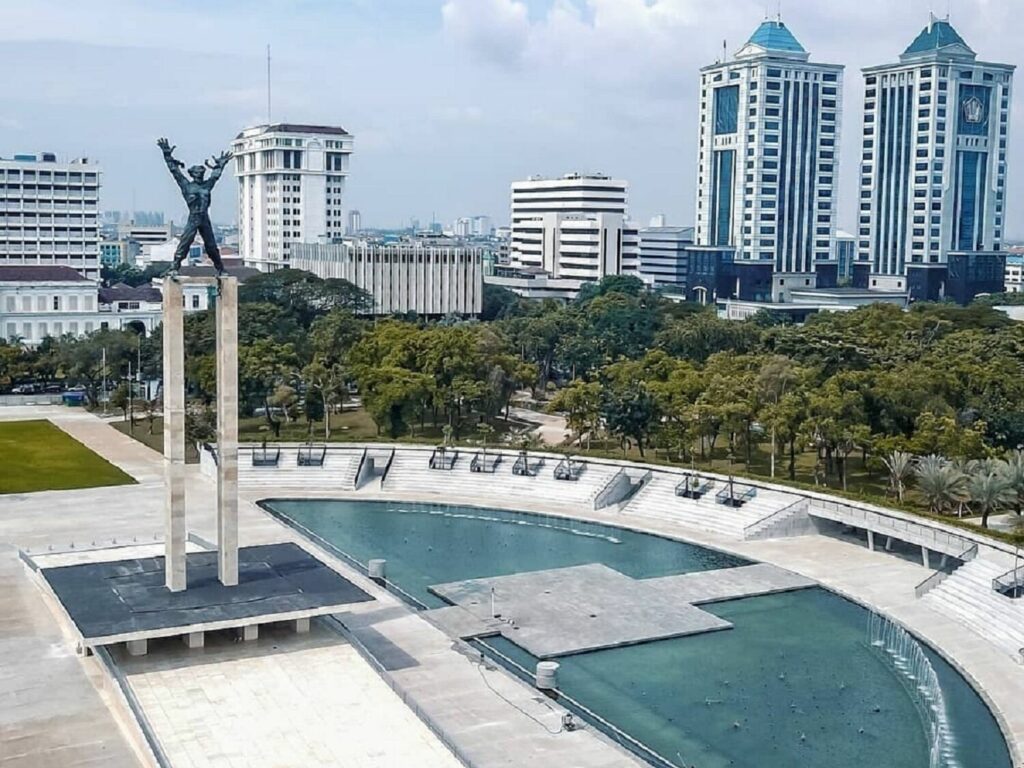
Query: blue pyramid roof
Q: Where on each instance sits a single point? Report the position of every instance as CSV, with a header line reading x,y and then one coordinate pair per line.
x,y
936,36
775,36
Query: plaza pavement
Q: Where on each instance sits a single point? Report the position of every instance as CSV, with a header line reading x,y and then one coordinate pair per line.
x,y
454,691
496,720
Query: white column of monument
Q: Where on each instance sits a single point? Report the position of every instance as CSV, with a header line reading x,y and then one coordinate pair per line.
x,y
174,435
227,431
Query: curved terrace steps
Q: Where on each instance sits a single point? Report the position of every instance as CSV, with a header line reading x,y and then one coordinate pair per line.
x,y
658,499
967,596
411,473
338,470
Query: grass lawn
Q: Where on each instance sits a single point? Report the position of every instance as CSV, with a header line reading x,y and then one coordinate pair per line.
x,y
37,456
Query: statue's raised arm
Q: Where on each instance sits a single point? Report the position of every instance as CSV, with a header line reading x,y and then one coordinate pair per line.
x,y
173,165
216,165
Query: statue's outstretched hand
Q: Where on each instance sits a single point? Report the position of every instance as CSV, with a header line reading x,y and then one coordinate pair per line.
x,y
222,159
165,145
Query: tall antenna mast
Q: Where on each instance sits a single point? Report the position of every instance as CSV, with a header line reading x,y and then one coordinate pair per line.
x,y
268,84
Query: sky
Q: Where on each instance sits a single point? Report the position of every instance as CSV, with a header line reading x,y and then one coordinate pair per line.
x,y
449,100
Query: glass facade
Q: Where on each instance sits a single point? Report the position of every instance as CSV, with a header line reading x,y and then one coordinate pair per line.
x,y
727,100
970,200
975,101
725,161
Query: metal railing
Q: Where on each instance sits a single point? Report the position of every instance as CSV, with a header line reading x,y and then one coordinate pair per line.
x,y
1011,581
910,531
266,457
735,494
770,519
311,455
387,465
485,462
612,490
693,486
567,469
442,458
939,575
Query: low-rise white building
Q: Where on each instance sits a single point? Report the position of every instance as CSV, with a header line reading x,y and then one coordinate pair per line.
x,y
573,228
36,302
402,277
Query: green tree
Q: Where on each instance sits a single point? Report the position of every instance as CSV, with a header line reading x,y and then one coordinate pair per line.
x,y
262,367
900,466
990,492
942,485
581,403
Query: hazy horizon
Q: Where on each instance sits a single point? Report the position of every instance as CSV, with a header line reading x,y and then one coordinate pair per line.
x,y
449,100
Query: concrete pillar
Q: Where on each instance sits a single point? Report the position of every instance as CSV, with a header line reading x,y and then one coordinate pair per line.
x,y
888,543
194,639
249,633
925,560
302,626
137,647
227,431
174,435
871,540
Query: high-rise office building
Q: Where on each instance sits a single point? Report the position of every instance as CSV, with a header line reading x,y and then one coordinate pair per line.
x,y
50,209
355,222
573,227
767,164
291,183
933,170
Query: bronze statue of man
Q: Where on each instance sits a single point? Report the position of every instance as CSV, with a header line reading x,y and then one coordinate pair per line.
x,y
197,191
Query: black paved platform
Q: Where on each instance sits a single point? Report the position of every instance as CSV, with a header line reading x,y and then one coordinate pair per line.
x,y
108,600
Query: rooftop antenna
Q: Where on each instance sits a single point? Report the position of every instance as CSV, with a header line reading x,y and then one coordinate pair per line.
x,y
725,52
778,11
268,84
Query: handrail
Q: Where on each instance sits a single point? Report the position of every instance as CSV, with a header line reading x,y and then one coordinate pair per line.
x,y
479,462
567,469
768,519
1015,580
213,453
694,490
728,494
359,469
387,466
612,486
938,576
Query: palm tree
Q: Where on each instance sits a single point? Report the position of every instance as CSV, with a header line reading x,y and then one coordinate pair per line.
x,y
901,466
1015,475
942,484
990,491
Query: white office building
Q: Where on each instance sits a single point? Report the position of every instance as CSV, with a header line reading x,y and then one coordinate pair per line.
x,y
426,279
48,213
767,164
665,256
933,170
291,186
573,228
36,302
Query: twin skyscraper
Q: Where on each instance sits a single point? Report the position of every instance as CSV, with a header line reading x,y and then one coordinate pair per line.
x,y
931,209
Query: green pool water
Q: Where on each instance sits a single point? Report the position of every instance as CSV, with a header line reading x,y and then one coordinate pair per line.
x,y
796,682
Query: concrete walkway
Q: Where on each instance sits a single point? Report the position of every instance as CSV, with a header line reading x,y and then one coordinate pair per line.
x,y
494,718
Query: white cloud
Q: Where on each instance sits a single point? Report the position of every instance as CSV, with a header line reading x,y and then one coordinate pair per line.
x,y
494,30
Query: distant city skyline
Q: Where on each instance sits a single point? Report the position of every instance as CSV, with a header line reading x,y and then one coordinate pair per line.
x,y
451,100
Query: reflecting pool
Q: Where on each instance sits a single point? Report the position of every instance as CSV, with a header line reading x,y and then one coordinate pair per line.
x,y
801,679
